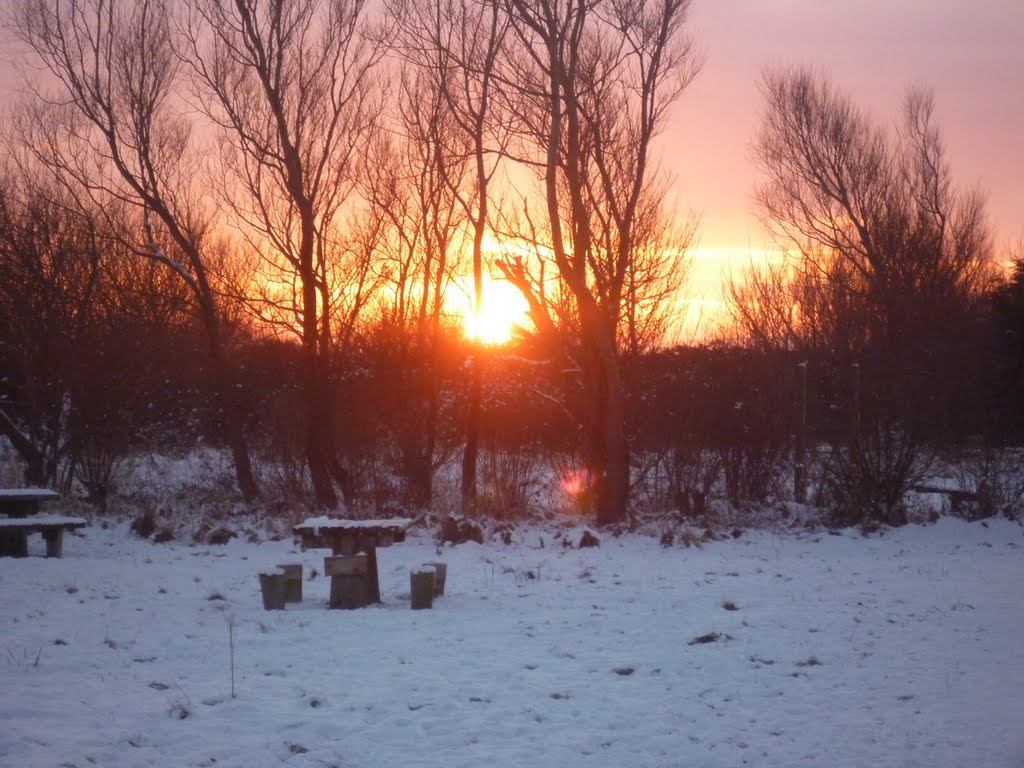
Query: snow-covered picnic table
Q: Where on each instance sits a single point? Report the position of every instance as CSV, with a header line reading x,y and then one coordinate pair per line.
x,y
18,502
349,537
20,507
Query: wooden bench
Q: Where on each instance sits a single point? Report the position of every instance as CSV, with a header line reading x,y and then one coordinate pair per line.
x,y
14,533
959,499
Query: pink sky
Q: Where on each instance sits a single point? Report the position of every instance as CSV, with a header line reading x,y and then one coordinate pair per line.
x,y
971,53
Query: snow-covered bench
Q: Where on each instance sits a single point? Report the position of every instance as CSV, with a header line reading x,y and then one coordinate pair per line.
x,y
14,533
960,501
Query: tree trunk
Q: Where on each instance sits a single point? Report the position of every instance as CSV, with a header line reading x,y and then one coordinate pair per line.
x,y
318,437
422,436
605,446
417,471
235,433
35,464
800,449
430,441
317,431
337,468
614,495
230,408
472,449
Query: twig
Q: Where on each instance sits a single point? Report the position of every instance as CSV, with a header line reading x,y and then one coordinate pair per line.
x,y
230,619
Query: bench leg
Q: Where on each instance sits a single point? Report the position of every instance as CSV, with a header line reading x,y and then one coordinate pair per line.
x,y
14,544
54,542
372,577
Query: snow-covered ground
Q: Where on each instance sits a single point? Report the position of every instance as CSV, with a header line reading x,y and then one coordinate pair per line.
x,y
897,650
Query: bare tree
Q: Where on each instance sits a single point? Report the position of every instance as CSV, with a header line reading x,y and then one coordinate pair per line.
x,y
458,42
290,85
872,219
659,267
47,296
113,132
592,85
410,189
1007,311
885,262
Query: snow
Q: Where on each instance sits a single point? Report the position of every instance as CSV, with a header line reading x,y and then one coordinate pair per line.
x,y
895,650
27,494
335,523
40,520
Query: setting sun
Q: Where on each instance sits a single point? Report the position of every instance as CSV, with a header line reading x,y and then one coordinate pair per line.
x,y
503,309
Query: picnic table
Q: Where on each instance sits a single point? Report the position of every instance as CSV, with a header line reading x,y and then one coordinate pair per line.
x,y
349,537
19,502
19,508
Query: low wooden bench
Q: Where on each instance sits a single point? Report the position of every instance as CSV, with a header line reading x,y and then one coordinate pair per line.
x,y
14,533
959,499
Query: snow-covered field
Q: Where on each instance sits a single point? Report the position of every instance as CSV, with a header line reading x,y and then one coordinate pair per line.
x,y
905,649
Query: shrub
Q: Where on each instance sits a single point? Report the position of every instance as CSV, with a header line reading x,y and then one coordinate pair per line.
x,y
459,530
869,479
144,524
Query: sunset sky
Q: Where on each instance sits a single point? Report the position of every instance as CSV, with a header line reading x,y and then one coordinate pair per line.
x,y
970,53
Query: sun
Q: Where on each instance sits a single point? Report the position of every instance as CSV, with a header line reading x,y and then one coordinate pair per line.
x,y
502,309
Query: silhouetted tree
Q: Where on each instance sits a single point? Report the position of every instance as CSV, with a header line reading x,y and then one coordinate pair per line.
x,y
410,187
290,85
884,259
591,84
114,134
455,45
1008,325
47,295
884,263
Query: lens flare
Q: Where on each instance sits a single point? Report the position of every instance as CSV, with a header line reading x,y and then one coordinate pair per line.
x,y
574,482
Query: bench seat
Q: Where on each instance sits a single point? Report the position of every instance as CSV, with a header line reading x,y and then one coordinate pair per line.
x,y
14,533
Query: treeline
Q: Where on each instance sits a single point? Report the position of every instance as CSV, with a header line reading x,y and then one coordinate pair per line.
x,y
322,164
241,223
103,359
887,286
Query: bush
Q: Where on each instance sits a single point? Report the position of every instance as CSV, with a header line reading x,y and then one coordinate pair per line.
x,y
144,524
869,480
995,476
507,478
459,530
